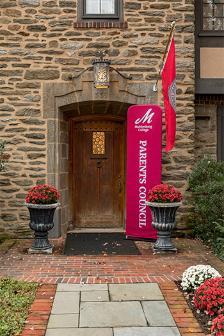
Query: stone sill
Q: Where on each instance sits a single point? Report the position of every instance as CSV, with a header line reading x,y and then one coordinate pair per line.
x,y
100,24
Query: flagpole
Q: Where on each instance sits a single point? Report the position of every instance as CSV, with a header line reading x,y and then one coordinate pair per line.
x,y
165,54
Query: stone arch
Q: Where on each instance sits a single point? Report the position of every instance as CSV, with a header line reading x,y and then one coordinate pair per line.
x,y
64,100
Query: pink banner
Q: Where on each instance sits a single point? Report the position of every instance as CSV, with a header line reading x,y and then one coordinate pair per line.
x,y
144,155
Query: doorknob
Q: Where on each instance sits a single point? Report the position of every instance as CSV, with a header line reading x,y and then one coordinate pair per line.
x,y
119,184
99,164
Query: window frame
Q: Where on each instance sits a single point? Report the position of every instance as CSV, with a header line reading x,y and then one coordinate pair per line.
x,y
115,16
209,39
199,13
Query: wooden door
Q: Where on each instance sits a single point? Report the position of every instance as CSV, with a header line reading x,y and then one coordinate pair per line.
x,y
98,174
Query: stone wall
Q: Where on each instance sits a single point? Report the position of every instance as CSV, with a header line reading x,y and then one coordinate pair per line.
x,y
39,44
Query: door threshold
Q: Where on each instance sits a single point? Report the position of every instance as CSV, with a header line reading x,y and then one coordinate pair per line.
x,y
98,230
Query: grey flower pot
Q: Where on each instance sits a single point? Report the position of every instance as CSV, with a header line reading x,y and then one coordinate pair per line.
x,y
41,221
163,220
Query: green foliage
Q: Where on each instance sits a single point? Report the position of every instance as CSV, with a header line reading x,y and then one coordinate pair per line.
x,y
209,207
15,299
219,243
206,170
207,184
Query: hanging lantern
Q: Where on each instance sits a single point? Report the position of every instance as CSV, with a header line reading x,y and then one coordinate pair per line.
x,y
101,70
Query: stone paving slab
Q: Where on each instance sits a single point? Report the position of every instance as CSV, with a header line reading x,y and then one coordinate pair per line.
x,y
110,310
158,314
80,332
63,321
95,296
148,331
140,292
111,314
66,303
80,287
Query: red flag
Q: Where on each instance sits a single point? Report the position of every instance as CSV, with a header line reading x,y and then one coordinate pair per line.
x,y
169,93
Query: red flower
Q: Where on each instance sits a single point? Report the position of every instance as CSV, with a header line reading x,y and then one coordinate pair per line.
x,y
164,193
42,194
209,296
218,326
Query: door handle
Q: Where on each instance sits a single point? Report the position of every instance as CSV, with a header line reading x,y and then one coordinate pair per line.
x,y
119,184
99,164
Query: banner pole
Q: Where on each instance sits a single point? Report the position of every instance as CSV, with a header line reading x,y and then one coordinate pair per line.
x,y
155,89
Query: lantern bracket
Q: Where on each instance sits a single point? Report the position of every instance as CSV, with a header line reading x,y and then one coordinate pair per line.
x,y
100,54
74,76
119,73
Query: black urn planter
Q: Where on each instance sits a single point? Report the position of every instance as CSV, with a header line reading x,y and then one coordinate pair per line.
x,y
163,220
41,221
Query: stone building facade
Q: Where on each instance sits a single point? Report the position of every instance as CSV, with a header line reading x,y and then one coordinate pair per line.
x,y
43,42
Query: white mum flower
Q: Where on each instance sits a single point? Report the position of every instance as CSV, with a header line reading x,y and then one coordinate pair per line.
x,y
194,276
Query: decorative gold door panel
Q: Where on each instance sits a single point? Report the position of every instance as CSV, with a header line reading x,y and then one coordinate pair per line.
x,y
98,158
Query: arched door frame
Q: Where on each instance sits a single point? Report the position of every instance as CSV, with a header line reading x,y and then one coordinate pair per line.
x,y
62,98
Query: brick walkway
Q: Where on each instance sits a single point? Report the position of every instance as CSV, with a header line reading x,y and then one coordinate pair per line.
x,y
52,269
147,267
183,316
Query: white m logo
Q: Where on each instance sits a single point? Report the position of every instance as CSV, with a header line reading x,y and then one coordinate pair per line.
x,y
146,118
